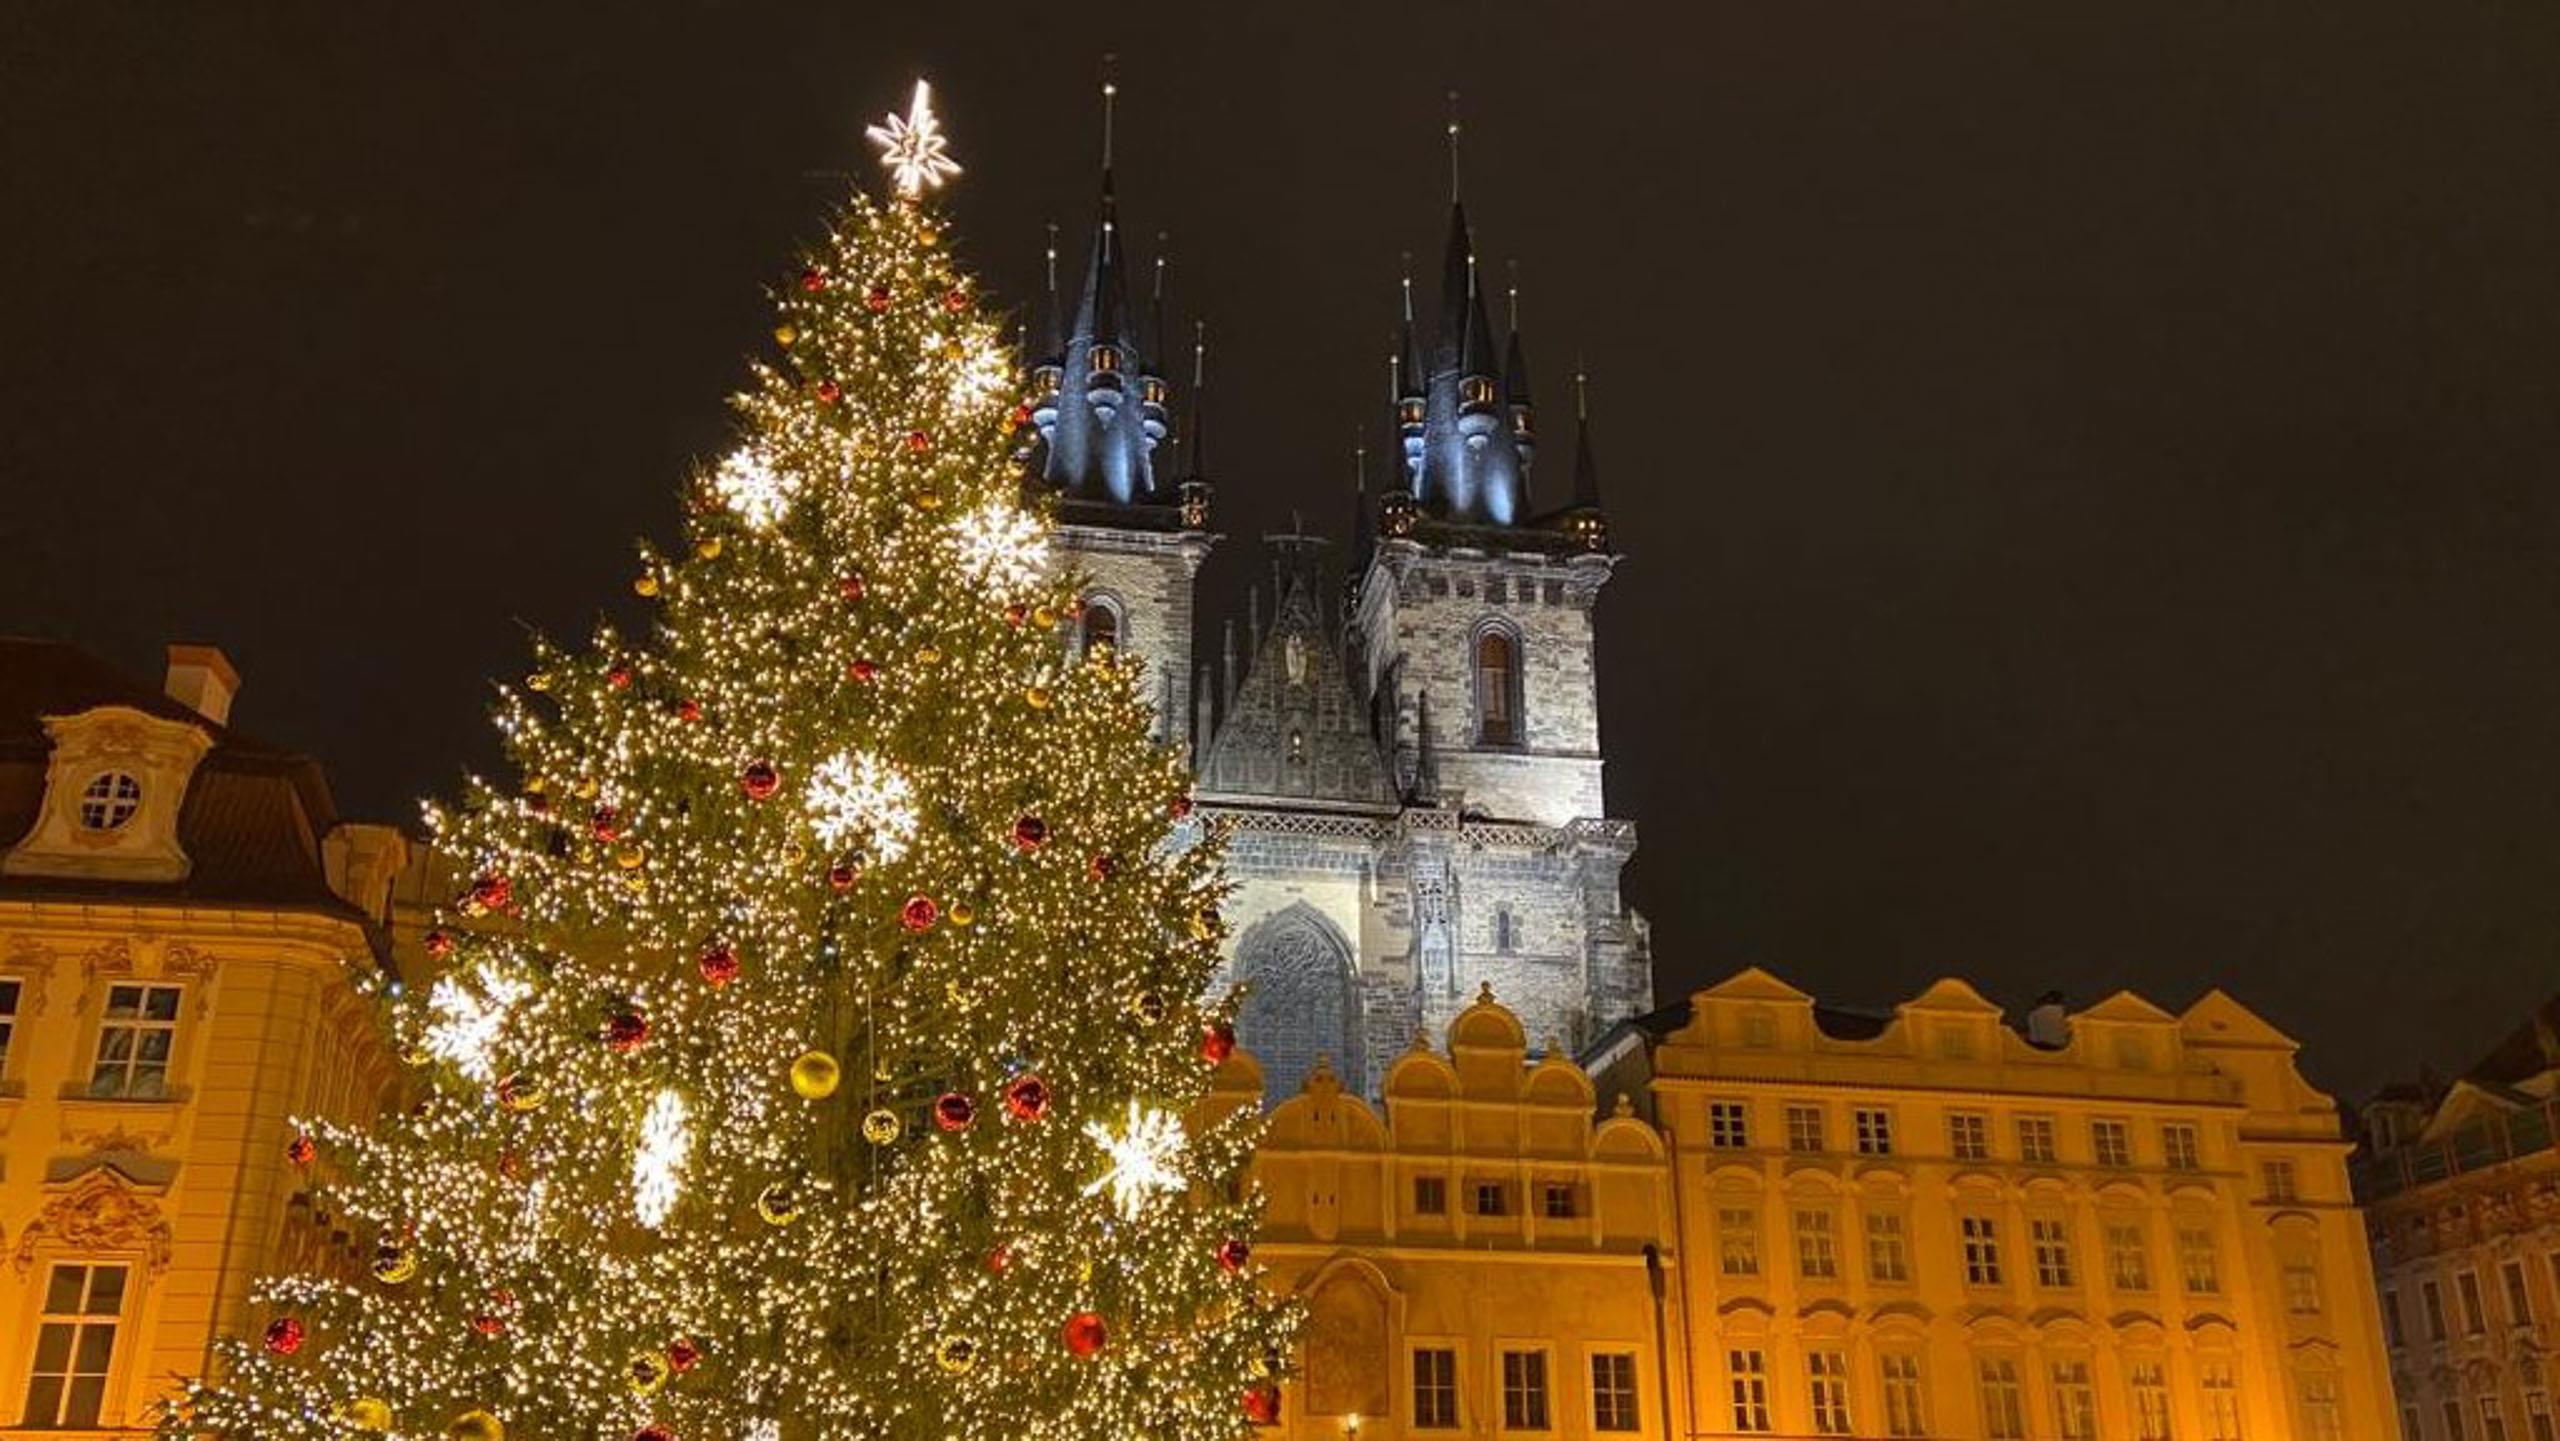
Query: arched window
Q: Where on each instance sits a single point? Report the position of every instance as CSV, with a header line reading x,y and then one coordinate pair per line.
x,y
1101,624
1506,930
1497,687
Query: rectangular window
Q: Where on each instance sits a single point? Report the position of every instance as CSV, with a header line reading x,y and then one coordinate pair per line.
x,y
1875,1131
2276,1178
2493,1420
2111,1144
1557,1201
2431,1306
2392,1335
134,1042
1524,1391
2320,1408
1435,1389
1981,1251
2051,1243
2475,1316
2452,1420
2409,1427
1749,1373
2537,1416
2004,1402
1888,1250
1804,1128
1430,1196
2198,1268
2180,1149
9,988
2302,1287
2035,1140
1827,1379
1613,1391
75,1343
1902,1414
1738,1241
2221,1402
1969,1135
1490,1200
1728,1125
2150,1400
2075,1402
1816,1256
2128,1260
2519,1299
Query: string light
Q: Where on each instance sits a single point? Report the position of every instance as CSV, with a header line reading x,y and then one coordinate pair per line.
x,y
657,1167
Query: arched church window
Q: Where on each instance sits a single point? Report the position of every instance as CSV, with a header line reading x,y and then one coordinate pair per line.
x,y
1299,1001
1506,930
1497,687
1101,624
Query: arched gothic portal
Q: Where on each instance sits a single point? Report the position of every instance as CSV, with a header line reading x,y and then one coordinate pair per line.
x,y
1301,1001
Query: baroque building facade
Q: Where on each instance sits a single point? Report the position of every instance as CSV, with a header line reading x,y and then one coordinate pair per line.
x,y
1403,757
2461,1185
182,916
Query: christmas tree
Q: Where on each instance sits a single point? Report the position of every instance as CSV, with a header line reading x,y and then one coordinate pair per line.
x,y
818,1039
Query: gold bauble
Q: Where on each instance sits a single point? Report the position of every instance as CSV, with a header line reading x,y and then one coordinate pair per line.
x,y
955,1354
417,1056
1204,925
539,680
520,1092
928,655
778,1204
645,586
960,915
634,882
707,548
394,1263
587,788
365,1413
785,334
536,785
927,500
1036,698
1043,617
1147,1006
476,1426
816,1075
928,237
629,857
881,1127
793,853
649,1371
956,351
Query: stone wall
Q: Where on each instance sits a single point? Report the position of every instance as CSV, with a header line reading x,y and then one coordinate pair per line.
x,y
1147,575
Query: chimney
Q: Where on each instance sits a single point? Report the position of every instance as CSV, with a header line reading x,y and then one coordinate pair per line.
x,y
201,679
2049,1023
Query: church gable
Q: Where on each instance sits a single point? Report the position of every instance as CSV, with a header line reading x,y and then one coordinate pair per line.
x,y
1296,730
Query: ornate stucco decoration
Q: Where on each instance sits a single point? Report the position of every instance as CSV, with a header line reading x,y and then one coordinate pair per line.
x,y
98,1214
31,961
112,764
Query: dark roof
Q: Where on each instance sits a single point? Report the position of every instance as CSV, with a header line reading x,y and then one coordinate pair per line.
x,y
2527,1052
254,813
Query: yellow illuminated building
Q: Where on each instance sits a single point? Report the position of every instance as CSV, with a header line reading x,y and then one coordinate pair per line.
x,y
2118,1223
179,910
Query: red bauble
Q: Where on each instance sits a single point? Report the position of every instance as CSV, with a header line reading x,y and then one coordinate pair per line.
x,y
284,1335
850,588
439,944
953,1111
813,279
1016,613
830,392
842,877
719,963
919,913
918,442
1021,416
492,1320
1262,1405
999,1256
683,1355
607,824
625,1032
1233,1253
865,671
302,1150
1182,808
493,891
1103,866
876,299
688,710
653,1433
760,780
1217,1042
619,678
1084,1333
1030,833
1026,1098
955,300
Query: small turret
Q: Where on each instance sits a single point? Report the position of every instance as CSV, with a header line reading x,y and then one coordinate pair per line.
x,y
1048,370
1196,489
1408,383
1584,520
1515,392
1151,387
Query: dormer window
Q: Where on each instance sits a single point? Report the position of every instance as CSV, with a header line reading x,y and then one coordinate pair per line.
x,y
1476,390
109,800
1105,360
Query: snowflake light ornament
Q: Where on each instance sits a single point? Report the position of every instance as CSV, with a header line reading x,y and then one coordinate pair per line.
x,y
1142,1153
1002,546
467,1019
657,1167
912,145
860,798
747,483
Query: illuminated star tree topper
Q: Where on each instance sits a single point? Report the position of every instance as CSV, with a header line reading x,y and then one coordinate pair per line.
x,y
912,146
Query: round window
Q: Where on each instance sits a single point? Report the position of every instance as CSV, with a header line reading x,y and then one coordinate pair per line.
x,y
109,801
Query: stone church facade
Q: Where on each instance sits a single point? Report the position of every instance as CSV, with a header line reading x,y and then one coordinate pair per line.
x,y
1403,757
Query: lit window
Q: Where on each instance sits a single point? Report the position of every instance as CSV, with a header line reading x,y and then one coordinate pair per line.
x,y
2128,1260
2150,1401
1888,1254
2493,1418
2510,1272
1827,1378
109,800
1558,1201
2035,1139
1430,1196
1490,1200
134,1042
2537,1415
1969,1136
2075,1402
2197,1266
1435,1389
1497,689
1524,1390
1875,1131
2004,1401
75,1342
1749,1375
2277,1179
2110,1143
1728,1125
2051,1244
2179,1147
1738,1241
1101,625
1816,1256
2475,1316
1981,1251
2431,1306
9,988
1613,1391
1902,1411
1804,1128
2320,1420
2301,1287
2222,1402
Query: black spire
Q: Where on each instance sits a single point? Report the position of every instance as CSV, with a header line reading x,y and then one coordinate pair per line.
x,y
1053,310
1586,471
1194,443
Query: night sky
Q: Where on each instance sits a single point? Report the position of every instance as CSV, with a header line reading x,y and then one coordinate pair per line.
x,y
2086,471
